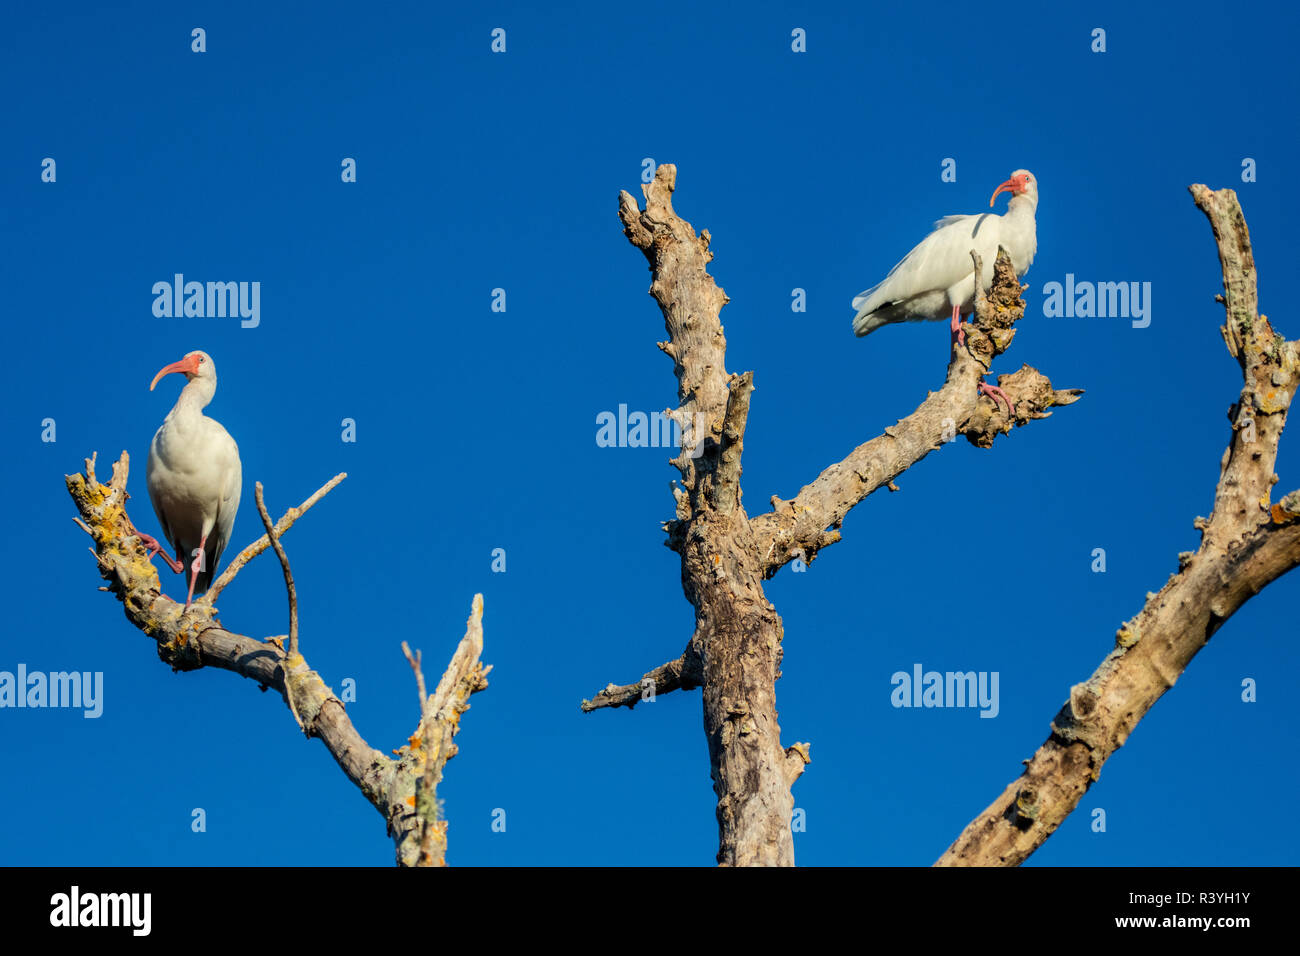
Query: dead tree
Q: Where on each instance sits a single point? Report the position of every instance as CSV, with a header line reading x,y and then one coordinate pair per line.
x,y
1246,543
401,787
734,653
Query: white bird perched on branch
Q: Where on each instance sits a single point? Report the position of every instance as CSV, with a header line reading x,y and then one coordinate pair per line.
x,y
936,280
194,476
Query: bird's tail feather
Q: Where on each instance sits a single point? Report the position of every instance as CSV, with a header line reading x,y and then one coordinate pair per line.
x,y
864,323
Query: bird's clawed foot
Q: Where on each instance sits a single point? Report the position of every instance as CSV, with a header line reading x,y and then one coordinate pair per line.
x,y
995,393
152,547
958,335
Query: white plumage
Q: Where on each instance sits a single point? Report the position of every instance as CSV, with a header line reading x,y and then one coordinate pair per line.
x,y
936,280
194,474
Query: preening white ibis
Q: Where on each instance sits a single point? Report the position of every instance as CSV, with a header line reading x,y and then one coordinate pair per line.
x,y
936,280
194,476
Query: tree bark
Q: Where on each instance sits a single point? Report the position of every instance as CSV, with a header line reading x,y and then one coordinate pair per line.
x,y
398,787
735,652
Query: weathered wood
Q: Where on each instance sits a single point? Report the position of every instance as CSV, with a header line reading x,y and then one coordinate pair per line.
x,y
735,652
194,638
1246,543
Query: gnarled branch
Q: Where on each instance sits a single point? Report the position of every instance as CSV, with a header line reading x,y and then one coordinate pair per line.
x,y
804,525
725,555
192,638
425,843
737,631
1245,544
685,673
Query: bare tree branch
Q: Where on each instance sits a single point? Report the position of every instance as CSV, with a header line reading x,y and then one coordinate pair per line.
x,y
726,489
192,638
1245,544
414,661
425,844
261,544
725,556
738,632
796,758
803,526
685,673
284,564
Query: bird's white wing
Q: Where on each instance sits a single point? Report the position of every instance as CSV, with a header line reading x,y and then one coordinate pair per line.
x,y
228,507
155,480
948,221
939,261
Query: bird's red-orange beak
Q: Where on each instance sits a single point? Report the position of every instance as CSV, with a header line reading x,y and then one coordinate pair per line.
x,y
189,365
1015,185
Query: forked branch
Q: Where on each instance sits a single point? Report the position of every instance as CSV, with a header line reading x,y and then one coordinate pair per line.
x,y
191,638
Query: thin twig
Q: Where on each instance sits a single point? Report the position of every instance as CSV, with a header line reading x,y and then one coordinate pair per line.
x,y
264,542
414,661
425,806
284,563
195,640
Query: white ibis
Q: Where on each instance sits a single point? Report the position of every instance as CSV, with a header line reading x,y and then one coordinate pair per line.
x,y
194,476
936,280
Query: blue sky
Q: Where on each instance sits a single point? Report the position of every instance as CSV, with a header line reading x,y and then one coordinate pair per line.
x,y
476,429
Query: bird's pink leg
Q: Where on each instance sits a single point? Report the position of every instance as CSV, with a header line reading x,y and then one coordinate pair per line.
x,y
153,547
985,388
993,392
194,571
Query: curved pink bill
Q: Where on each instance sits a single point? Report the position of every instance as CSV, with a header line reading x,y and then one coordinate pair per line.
x,y
188,365
1012,186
